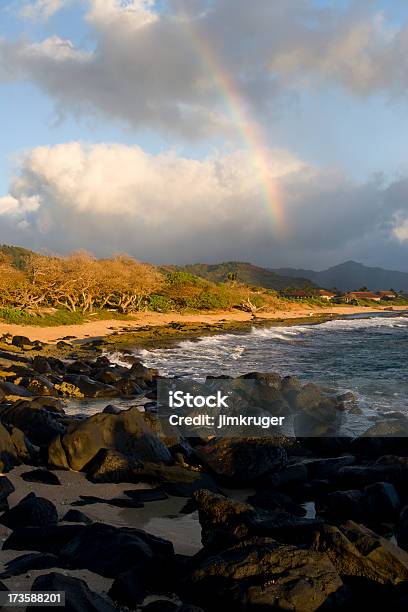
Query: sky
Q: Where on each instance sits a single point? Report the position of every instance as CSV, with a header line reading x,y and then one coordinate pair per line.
x,y
270,131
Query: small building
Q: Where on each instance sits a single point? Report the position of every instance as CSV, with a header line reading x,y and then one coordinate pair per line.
x,y
387,295
326,295
362,295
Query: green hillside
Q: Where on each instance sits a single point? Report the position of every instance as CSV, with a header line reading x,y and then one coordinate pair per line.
x,y
246,273
18,255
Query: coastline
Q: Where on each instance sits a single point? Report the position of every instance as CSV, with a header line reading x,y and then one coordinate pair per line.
x,y
153,326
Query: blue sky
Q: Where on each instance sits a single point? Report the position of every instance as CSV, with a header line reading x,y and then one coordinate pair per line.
x,y
332,105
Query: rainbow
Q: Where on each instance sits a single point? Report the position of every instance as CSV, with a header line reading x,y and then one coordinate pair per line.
x,y
248,129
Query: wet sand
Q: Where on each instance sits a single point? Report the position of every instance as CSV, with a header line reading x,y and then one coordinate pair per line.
x,y
161,518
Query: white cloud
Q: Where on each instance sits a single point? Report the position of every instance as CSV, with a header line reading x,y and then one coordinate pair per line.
x,y
401,230
12,206
165,208
41,9
173,70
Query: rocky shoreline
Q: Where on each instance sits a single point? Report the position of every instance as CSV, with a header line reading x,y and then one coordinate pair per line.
x,y
265,552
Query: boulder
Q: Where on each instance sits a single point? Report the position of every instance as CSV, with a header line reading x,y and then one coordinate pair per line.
x,y
129,589
57,458
342,505
110,375
111,466
9,452
40,385
356,551
110,551
42,365
50,539
42,476
276,502
289,477
327,467
111,409
78,597
146,495
31,511
142,376
126,432
316,415
91,388
358,476
382,502
76,516
174,479
272,380
224,522
30,561
11,390
242,461
21,341
261,574
6,488
39,425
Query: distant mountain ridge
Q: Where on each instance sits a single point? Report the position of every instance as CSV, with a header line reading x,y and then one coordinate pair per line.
x,y
247,273
350,276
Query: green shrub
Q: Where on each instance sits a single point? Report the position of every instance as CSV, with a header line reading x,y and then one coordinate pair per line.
x,y
160,303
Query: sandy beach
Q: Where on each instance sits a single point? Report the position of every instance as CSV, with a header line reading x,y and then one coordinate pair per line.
x,y
94,329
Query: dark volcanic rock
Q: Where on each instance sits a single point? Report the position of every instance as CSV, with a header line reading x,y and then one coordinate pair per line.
x,y
275,501
43,476
44,539
110,551
32,511
39,425
225,522
316,415
76,516
327,466
119,502
381,501
262,574
91,388
110,409
9,452
21,341
78,597
290,476
357,551
6,488
28,562
174,479
342,505
357,476
129,589
241,461
146,495
126,432
11,390
40,385
111,466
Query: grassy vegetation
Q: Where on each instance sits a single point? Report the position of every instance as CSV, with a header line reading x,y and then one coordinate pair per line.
x,y
59,316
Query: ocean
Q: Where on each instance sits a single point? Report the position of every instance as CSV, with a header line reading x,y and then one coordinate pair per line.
x,y
366,355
